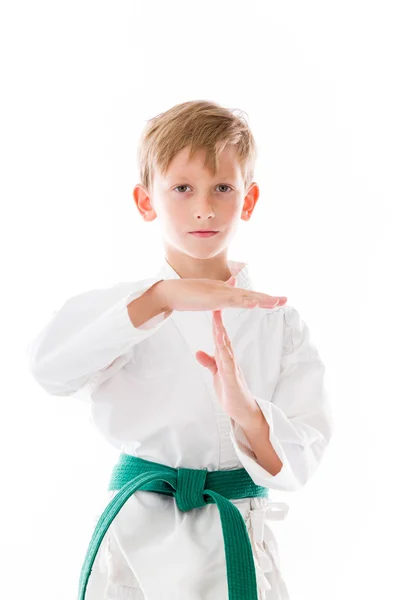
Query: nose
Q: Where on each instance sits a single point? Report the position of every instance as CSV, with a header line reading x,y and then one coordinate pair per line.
x,y
204,211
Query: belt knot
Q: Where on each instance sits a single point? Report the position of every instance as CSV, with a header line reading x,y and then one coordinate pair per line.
x,y
189,492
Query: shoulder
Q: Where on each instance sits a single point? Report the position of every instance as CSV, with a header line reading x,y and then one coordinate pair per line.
x,y
113,292
296,335
292,318
288,320
287,314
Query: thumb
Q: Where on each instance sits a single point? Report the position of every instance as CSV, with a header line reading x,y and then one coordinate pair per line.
x,y
207,361
232,281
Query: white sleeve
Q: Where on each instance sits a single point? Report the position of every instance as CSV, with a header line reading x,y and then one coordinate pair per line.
x,y
89,333
299,413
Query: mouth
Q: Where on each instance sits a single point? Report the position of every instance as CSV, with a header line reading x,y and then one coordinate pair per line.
x,y
203,233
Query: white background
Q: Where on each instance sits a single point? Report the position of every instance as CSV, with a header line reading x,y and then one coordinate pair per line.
x,y
320,85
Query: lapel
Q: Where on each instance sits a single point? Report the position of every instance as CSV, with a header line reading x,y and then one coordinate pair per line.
x,y
196,326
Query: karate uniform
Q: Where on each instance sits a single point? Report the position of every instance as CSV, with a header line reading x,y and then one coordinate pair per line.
x,y
150,398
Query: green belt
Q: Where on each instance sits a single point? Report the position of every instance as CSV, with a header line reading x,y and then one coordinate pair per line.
x,y
192,488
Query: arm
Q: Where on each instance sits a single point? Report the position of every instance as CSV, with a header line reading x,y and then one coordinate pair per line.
x,y
147,306
298,414
91,331
257,434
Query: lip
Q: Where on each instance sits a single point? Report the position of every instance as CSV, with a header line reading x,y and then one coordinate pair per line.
x,y
204,234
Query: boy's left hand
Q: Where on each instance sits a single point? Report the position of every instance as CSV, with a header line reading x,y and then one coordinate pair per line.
x,y
229,382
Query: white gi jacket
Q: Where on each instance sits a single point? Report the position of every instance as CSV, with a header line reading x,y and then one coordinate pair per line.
x,y
150,398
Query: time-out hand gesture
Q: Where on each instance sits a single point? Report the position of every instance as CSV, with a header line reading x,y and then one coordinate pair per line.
x,y
229,382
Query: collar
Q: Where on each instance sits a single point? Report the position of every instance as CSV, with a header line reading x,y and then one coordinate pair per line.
x,y
237,268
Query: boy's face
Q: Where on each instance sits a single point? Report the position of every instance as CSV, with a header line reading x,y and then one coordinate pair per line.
x,y
188,198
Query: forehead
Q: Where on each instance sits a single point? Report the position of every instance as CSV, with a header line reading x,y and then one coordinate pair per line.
x,y
181,166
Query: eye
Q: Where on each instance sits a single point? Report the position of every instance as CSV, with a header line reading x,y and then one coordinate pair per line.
x,y
180,186
224,185
220,185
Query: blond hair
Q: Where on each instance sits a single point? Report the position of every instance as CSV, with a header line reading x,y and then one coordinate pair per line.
x,y
198,124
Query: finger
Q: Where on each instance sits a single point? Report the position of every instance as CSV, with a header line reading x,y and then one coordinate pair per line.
x,y
217,355
251,299
227,362
219,326
217,345
215,325
223,344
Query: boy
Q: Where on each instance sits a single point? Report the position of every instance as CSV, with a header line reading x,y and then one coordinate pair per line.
x,y
208,412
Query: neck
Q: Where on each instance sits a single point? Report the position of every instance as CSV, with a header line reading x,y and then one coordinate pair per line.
x,y
188,267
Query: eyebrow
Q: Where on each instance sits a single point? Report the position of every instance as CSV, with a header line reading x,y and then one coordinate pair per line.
x,y
225,176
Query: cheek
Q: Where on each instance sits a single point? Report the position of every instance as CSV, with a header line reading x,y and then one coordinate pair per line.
x,y
177,217
234,206
170,212
232,212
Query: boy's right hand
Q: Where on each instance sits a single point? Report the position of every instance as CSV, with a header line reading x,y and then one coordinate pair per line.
x,y
210,294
